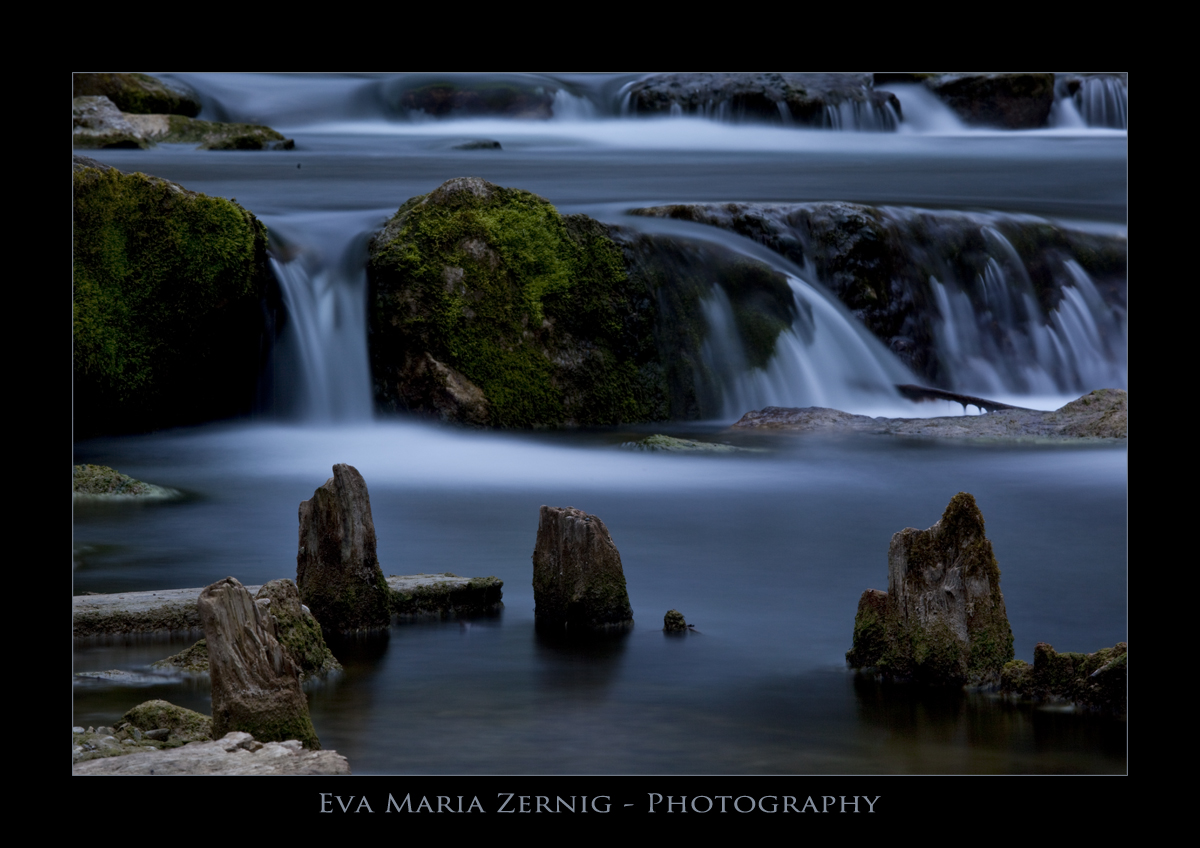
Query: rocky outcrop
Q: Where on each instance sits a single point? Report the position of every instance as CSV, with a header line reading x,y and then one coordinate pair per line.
x,y
337,569
170,292
234,753
1102,414
942,619
140,94
255,683
817,100
99,124
1006,101
1096,682
578,581
103,483
879,262
674,622
487,307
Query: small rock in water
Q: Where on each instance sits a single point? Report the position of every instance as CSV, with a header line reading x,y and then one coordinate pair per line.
x,y
479,144
659,442
578,581
673,622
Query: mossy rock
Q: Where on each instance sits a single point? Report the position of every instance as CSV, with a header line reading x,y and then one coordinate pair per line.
x,y
193,660
184,725
100,481
170,288
208,135
488,307
1096,682
659,442
139,93
297,629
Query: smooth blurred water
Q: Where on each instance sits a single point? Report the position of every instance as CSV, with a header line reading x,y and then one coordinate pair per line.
x,y
766,552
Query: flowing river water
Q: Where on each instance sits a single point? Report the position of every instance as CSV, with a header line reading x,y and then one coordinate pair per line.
x,y
765,551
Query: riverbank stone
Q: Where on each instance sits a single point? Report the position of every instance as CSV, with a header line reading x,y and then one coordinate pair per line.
x,y
255,683
103,483
337,569
942,620
578,580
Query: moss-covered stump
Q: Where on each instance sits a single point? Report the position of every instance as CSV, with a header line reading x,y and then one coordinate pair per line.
x,y
255,682
1096,681
337,568
139,93
170,289
297,629
578,581
182,725
942,620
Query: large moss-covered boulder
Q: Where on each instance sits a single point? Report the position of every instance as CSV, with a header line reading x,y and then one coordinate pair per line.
x,y
170,291
140,94
942,620
181,724
488,308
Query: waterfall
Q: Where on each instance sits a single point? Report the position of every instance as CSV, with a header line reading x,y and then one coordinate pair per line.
x,y
321,370
861,117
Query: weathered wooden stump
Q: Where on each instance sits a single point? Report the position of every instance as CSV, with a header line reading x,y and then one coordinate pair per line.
x,y
578,581
337,570
255,683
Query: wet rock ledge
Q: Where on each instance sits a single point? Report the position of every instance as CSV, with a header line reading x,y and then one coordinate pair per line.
x,y
1102,414
172,610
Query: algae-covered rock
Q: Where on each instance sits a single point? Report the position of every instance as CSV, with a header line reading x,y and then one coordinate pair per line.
x,y
139,93
674,622
578,581
255,682
1096,681
488,307
207,135
183,725
170,289
942,619
96,122
104,483
337,569
296,628
659,442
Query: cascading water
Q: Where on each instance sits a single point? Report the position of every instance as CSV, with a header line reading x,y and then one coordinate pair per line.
x,y
1001,342
321,371
861,117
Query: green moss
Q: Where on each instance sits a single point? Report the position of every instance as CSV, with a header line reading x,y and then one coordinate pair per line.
x,y
185,725
222,136
166,290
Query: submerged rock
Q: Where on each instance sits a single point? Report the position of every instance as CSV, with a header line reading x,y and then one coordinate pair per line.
x,y
806,99
942,619
170,290
104,483
1102,414
337,570
1097,681
255,682
578,581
